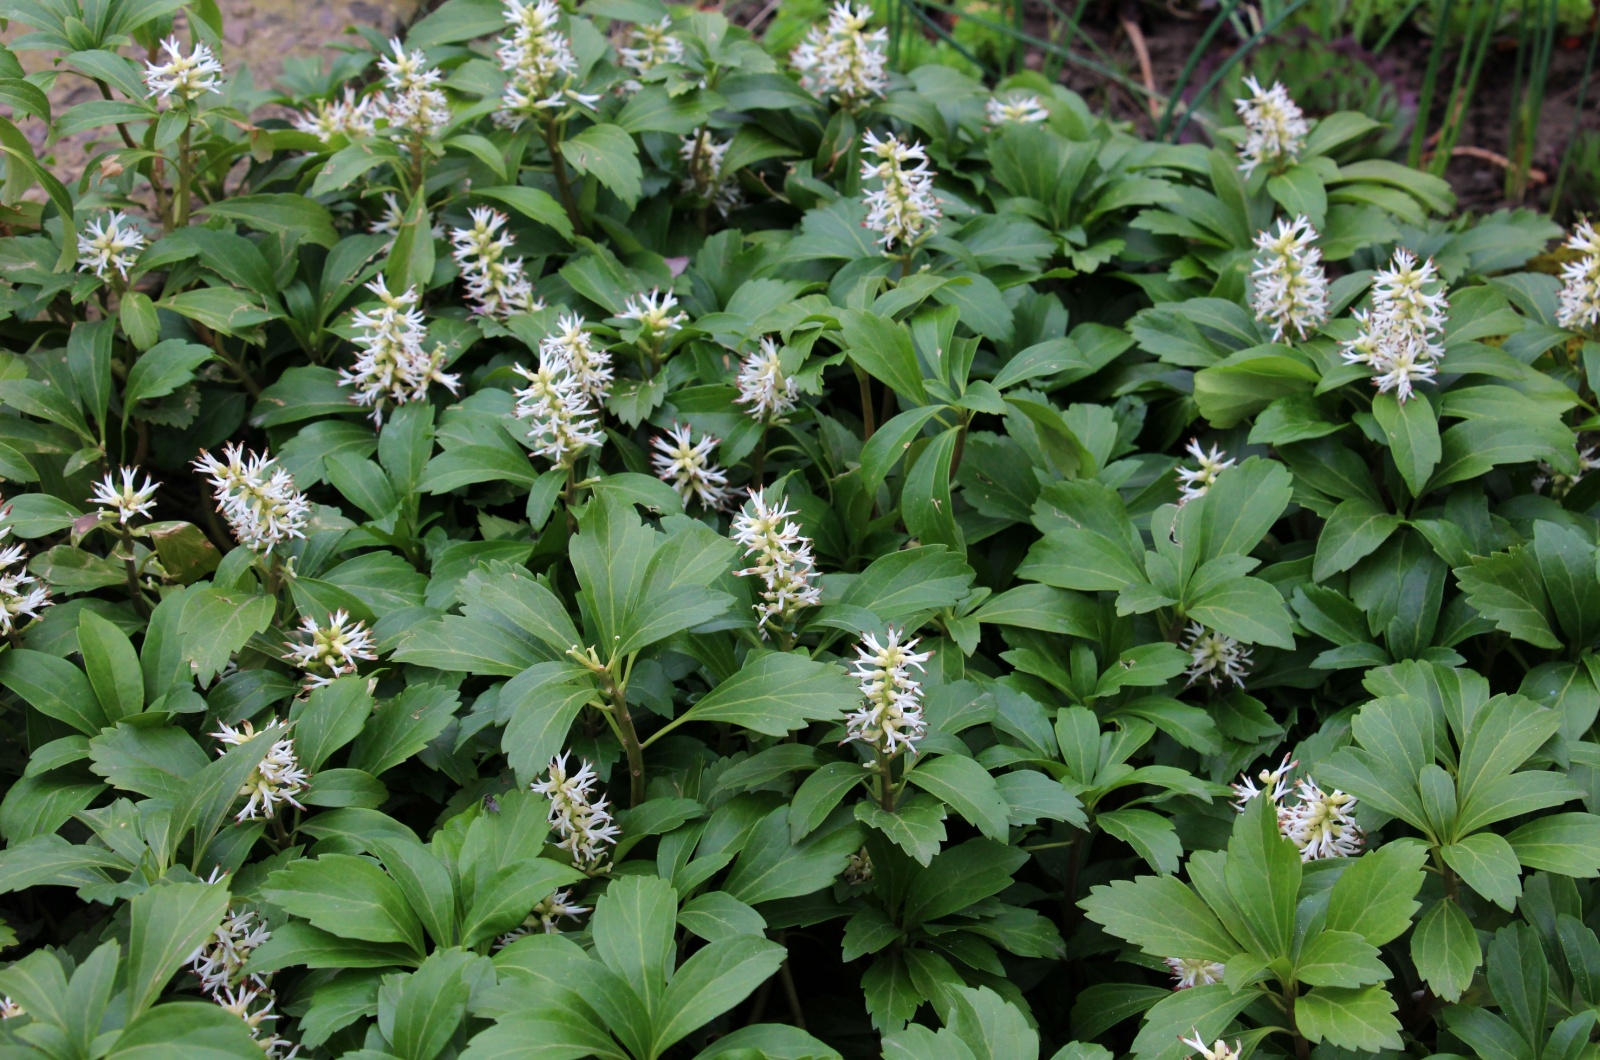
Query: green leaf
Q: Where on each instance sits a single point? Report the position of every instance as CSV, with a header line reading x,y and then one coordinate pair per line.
x,y
112,665
710,983
1375,895
195,1030
1353,531
1445,950
215,623
221,309
167,923
633,928
1248,609
777,693
333,715
1565,843
927,506
1149,833
16,145
959,877
1200,1011
1299,190
772,866
909,582
346,896
1566,562
427,1006
1506,588
53,687
292,216
1263,878
652,109
411,255
607,153
1339,958
1161,916
882,348
402,727
1241,506
1349,1019
1412,428
916,825
966,787
1487,864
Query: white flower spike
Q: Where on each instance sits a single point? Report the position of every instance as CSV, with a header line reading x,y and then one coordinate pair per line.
x,y
109,244
497,284
783,560
186,76
1578,306
127,501
277,779
393,367
891,718
330,651
1289,290
1276,128
1015,109
1400,336
581,821
563,422
21,594
1195,483
1216,657
767,392
571,346
256,497
903,208
842,60
687,466
1194,972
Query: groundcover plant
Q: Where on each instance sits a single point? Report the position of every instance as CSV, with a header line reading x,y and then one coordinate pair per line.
x,y
572,535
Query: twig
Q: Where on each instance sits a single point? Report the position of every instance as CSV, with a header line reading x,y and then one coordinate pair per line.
x,y
1141,51
1535,175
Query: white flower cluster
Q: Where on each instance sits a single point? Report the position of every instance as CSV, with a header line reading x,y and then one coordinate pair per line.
x,y
763,386
1189,972
1579,304
653,43
330,651
1215,656
1561,483
1399,336
1290,290
686,465
498,286
703,176
392,367
21,594
219,959
1319,823
240,1002
545,918
127,501
1276,127
347,115
891,719
903,208
653,313
1218,1051
1015,109
538,63
277,779
1193,483
572,345
256,497
109,244
783,560
581,820
186,76
564,420
842,60
415,105
394,215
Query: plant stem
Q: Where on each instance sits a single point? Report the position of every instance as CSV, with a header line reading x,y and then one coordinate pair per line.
x,y
885,769
868,423
135,593
214,340
961,445
180,204
127,139
760,463
618,695
558,166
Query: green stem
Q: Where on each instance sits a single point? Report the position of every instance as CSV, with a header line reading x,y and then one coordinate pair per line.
x,y
558,166
760,463
885,767
135,593
618,694
868,423
180,205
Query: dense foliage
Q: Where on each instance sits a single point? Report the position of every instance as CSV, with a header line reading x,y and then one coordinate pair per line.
x,y
578,535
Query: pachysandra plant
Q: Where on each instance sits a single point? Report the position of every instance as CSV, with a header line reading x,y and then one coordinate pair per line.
x,y
591,533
